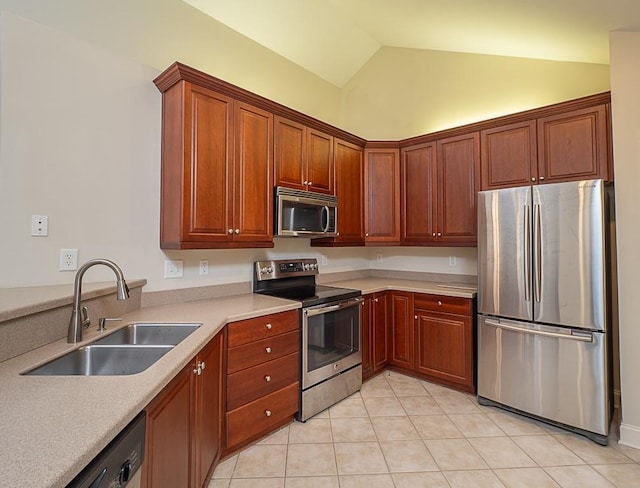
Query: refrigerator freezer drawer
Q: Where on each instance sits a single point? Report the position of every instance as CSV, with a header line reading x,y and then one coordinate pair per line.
x,y
551,372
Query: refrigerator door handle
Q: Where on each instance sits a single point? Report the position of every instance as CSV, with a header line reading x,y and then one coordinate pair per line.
x,y
537,231
527,253
583,337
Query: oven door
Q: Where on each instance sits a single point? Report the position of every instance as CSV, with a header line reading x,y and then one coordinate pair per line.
x,y
330,340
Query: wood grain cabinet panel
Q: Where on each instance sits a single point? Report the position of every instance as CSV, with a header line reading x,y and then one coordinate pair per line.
x,y
509,156
257,352
184,424
382,196
401,333
216,178
303,157
258,328
374,333
573,146
419,194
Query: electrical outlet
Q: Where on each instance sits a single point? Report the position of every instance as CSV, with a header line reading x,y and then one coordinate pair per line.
x,y
204,267
39,225
379,258
68,260
452,261
174,268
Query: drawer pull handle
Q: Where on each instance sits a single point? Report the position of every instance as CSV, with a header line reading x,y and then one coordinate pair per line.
x,y
267,378
439,303
267,350
269,326
267,413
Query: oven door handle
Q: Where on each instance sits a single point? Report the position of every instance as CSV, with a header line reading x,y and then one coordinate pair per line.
x,y
310,312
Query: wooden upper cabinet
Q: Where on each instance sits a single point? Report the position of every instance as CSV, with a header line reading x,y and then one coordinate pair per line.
x,y
568,146
509,156
349,184
458,177
419,190
303,157
216,171
253,192
382,196
573,146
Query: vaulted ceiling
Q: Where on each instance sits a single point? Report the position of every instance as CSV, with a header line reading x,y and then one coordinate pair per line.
x,y
335,38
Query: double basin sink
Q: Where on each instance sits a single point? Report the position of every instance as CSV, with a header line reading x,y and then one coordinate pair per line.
x,y
129,350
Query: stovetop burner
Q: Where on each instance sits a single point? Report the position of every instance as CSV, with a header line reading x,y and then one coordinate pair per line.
x,y
295,280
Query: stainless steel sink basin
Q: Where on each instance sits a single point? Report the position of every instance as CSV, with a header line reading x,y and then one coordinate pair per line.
x,y
103,360
149,333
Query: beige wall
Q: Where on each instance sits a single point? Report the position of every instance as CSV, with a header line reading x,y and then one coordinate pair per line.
x,y
625,80
402,93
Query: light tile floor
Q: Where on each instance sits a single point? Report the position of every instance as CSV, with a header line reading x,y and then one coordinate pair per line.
x,y
402,432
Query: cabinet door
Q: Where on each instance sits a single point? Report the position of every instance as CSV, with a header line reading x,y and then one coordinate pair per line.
x,y
289,153
168,434
458,172
208,412
444,347
382,195
380,331
320,174
573,146
253,200
207,168
509,156
367,336
419,190
348,159
401,329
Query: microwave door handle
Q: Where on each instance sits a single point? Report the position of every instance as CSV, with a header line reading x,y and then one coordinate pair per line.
x,y
325,212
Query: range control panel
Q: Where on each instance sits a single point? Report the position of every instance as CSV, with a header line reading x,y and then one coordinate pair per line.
x,y
271,270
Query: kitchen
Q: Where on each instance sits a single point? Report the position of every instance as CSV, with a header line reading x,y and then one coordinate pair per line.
x,y
125,155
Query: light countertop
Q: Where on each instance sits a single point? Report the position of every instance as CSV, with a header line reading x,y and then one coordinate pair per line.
x,y
52,426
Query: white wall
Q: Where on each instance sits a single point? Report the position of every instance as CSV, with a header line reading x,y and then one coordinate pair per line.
x,y
625,83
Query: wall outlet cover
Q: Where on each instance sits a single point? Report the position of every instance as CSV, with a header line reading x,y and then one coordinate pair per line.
x,y
174,268
203,269
68,260
39,225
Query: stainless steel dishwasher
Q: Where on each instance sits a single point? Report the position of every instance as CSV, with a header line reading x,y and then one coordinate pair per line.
x,y
116,465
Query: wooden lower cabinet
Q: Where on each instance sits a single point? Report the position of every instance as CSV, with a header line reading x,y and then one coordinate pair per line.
x,y
401,342
183,436
374,333
262,376
432,336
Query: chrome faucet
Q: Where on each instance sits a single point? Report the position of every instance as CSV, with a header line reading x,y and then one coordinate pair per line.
x,y
79,316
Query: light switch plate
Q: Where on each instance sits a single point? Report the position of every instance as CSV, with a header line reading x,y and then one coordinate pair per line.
x,y
174,268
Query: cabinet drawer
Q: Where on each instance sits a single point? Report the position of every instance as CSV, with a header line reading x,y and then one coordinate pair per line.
x,y
261,415
259,328
443,303
254,353
251,383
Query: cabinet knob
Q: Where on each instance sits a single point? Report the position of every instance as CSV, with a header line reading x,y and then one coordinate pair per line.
x,y
439,303
415,317
375,300
237,231
230,231
267,413
433,235
267,378
542,178
305,182
269,326
439,234
267,350
367,234
203,365
310,183
533,179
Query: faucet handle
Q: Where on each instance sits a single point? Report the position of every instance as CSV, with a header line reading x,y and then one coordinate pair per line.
x,y
102,322
85,317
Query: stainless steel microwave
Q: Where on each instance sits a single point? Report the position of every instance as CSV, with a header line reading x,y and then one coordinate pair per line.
x,y
304,213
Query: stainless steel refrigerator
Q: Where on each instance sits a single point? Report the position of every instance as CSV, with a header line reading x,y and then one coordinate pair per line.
x,y
543,303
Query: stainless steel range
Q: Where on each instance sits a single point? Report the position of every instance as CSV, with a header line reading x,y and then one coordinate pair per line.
x,y
331,366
